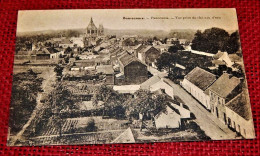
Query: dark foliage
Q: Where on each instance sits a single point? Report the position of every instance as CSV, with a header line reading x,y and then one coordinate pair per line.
x,y
215,39
91,126
24,93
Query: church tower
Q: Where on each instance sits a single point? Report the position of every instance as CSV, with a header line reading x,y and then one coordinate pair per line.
x,y
100,30
92,29
92,32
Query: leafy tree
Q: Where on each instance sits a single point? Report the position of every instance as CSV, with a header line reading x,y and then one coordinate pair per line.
x,y
233,43
175,48
211,40
103,93
58,69
167,61
68,50
145,104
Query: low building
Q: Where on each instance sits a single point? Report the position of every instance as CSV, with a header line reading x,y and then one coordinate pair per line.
x,y
196,82
48,53
170,118
239,116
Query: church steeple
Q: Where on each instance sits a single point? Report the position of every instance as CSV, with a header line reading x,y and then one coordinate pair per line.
x,y
91,25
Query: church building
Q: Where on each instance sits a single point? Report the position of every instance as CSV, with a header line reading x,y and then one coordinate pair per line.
x,y
92,32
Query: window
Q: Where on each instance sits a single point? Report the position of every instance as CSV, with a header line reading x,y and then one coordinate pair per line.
x,y
238,128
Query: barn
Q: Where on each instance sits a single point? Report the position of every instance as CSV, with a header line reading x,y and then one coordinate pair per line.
x,y
134,71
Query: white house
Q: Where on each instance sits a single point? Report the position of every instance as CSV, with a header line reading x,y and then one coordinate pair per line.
x,y
239,117
168,119
155,83
196,82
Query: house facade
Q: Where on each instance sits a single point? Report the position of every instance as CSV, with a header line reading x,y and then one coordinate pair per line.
x,y
221,92
239,116
148,54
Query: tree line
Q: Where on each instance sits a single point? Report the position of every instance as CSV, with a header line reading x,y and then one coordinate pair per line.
x,y
214,39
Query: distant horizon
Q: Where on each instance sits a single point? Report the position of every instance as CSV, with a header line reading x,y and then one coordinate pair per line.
x,y
126,19
123,30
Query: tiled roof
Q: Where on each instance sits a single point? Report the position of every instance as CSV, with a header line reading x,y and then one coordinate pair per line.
x,y
200,78
144,49
241,105
150,81
224,85
127,58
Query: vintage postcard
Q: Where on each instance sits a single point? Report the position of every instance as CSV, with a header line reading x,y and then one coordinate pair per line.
x,y
128,76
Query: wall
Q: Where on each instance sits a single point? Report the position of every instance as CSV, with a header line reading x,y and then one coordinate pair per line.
x,y
217,104
246,126
135,73
171,120
197,93
151,55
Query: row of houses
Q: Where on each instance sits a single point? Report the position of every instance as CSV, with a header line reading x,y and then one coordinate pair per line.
x,y
40,54
224,97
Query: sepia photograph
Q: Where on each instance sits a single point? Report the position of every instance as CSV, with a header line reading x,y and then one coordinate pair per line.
x,y
107,76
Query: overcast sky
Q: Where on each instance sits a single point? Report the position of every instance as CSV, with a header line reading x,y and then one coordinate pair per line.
x,y
113,19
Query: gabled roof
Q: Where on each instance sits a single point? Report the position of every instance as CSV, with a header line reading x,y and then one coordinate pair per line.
x,y
200,78
50,50
127,58
150,81
169,112
241,105
144,49
47,51
125,137
224,85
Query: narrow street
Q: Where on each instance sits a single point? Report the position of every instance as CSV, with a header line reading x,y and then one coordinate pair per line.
x,y
212,126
